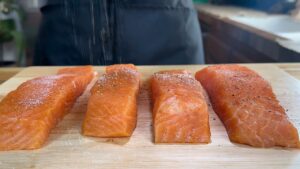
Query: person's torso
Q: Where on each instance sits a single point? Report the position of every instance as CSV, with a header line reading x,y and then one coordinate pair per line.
x,y
121,31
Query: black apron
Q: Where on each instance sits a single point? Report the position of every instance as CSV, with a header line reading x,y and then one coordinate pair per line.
x,y
102,32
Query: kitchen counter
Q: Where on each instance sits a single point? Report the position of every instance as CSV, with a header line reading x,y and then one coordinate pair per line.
x,y
291,68
243,35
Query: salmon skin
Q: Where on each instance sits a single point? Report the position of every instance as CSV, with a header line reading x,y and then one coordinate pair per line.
x,y
247,106
112,107
28,113
180,112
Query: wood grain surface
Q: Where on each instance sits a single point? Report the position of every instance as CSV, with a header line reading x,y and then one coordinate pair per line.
x,y
67,148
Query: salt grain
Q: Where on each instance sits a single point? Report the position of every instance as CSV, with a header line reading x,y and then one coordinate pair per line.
x,y
37,96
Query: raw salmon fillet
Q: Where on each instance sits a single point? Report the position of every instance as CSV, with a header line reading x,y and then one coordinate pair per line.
x,y
28,113
247,106
180,112
112,107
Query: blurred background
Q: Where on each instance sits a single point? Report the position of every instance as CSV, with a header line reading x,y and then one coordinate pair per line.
x,y
233,31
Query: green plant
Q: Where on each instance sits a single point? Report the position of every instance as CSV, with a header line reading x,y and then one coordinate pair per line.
x,y
6,28
8,31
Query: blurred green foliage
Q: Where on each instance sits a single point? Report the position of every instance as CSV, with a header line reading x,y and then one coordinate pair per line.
x,y
200,1
8,30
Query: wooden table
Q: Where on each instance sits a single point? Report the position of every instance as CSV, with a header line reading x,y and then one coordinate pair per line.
x,y
6,73
291,68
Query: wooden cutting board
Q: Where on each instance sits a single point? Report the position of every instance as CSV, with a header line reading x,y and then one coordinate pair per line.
x,y
67,148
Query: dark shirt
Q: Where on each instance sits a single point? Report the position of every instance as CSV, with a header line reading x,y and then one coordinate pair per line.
x,y
101,32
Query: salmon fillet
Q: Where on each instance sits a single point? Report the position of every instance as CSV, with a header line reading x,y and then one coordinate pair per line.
x,y
180,112
247,106
112,107
28,113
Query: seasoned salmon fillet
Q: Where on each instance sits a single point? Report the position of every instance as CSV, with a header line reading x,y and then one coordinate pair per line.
x,y
247,106
28,113
180,112
112,106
